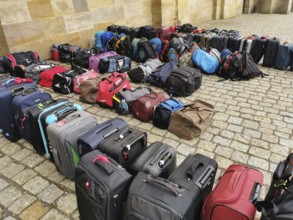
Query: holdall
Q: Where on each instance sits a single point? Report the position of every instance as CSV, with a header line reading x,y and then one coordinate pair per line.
x,y
79,79
9,88
116,63
258,49
164,110
63,137
192,120
89,90
196,174
158,159
183,81
94,61
185,60
123,99
101,186
81,57
46,77
271,51
284,56
34,70
63,52
143,108
109,86
20,105
204,61
154,198
92,139
125,146
235,195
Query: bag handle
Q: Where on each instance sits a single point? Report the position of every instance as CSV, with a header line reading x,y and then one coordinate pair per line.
x,y
103,162
29,90
196,165
17,90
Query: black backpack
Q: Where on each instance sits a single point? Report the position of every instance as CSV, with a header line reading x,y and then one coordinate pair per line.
x,y
123,46
145,51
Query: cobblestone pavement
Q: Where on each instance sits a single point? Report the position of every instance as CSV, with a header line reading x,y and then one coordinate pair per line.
x,y
253,126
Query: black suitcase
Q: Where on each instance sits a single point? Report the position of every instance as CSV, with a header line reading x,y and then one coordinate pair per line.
x,y
224,43
258,49
101,186
196,174
125,146
271,52
92,139
215,42
155,198
234,44
158,159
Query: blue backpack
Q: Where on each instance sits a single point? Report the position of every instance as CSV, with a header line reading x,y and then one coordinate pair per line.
x,y
205,62
98,41
156,43
105,37
164,110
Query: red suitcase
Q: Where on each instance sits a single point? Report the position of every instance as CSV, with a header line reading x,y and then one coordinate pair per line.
x,y
234,196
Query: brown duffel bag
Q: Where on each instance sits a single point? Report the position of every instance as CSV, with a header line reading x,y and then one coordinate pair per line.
x,y
193,119
89,91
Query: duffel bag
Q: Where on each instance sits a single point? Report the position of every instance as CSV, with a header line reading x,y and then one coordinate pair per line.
x,y
116,63
204,61
81,57
89,91
46,77
79,79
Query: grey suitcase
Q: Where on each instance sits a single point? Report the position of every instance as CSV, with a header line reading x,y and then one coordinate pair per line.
x,y
63,137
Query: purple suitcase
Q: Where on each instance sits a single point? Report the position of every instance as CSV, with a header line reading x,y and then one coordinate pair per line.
x,y
95,60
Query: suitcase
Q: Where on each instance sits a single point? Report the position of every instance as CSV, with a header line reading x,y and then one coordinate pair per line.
x,y
234,44
101,186
92,139
158,159
215,42
235,195
155,198
63,137
94,60
8,90
20,105
284,56
271,51
125,146
258,49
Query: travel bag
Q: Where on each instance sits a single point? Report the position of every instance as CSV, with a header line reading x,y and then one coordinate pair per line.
x,y
81,57
143,108
284,56
271,51
92,139
233,44
63,52
94,61
183,81
235,195
158,159
196,174
116,63
63,137
46,77
34,70
79,79
101,186
145,51
89,91
205,62
125,146
258,49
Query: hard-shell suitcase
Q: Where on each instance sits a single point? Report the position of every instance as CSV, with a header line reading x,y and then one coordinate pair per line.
x,y
125,146
94,60
155,198
234,44
63,137
20,104
101,186
196,174
92,139
271,52
235,195
258,49
284,56
8,89
158,159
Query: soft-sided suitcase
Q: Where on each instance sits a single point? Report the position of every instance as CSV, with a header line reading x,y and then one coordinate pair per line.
x,y
234,196
196,174
101,186
92,139
158,159
125,146
94,61
20,105
155,198
8,89
284,56
63,137
258,49
271,51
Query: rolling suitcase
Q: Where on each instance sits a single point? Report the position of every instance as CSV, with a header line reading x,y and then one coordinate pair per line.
x,y
258,49
271,51
196,174
234,44
125,146
20,104
101,186
158,159
284,56
92,139
63,137
94,60
235,195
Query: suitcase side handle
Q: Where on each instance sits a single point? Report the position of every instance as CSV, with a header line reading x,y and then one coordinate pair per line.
x,y
104,163
190,172
255,193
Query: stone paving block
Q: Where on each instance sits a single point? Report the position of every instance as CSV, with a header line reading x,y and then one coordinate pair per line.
x,y
3,142
158,131
220,124
276,158
258,163
247,116
9,218
24,176
223,162
185,149
35,211
19,156
250,124
282,135
172,136
221,116
50,194
224,151
278,149
53,214
259,143
206,145
46,168
3,183
252,133
68,184
222,141
170,142
239,157
9,195
235,120
5,161
33,160
22,203
152,138
270,138
227,134
205,153
286,142
235,128
56,177
266,131
259,152
28,146
67,203
10,149
36,185
11,170
206,136
75,215
179,159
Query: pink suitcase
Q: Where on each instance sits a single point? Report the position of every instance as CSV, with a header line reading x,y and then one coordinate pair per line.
x,y
91,74
94,60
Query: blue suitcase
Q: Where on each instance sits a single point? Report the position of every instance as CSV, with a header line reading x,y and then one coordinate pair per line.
x,y
284,56
8,90
29,97
93,138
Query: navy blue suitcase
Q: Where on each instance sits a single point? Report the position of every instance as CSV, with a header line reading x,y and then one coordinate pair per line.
x,y
284,56
271,52
8,90
93,138
29,98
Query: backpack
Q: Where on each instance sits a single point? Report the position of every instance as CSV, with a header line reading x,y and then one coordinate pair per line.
x,y
147,31
157,45
204,61
98,42
187,28
134,46
179,44
81,57
123,46
145,51
105,37
185,60
165,50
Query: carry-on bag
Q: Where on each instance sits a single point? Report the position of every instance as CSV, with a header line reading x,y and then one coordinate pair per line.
x,y
63,137
94,61
284,56
192,120
271,51
29,97
158,159
89,90
79,79
196,174
116,63
125,146
63,52
92,139
235,195
46,77
101,186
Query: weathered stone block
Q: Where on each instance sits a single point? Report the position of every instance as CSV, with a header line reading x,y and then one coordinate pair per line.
x,y
54,27
40,9
62,7
14,12
80,5
78,22
92,4
35,211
